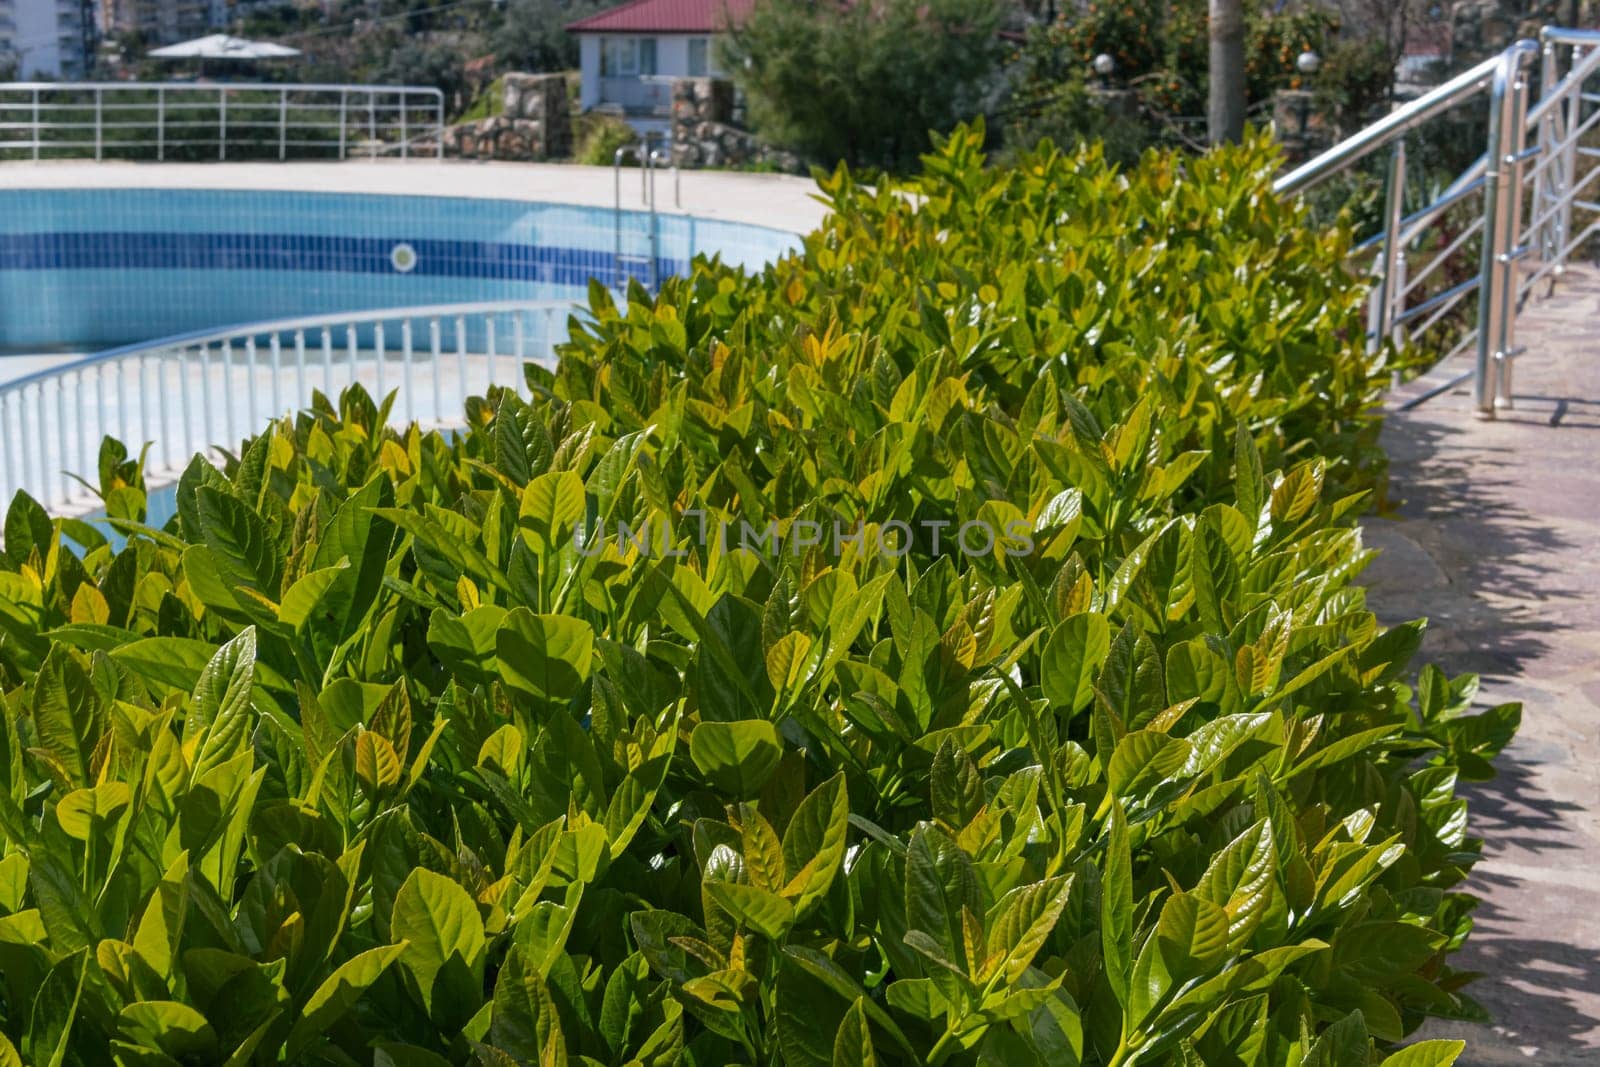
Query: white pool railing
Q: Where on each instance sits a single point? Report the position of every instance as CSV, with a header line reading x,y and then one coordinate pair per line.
x,y
218,120
199,391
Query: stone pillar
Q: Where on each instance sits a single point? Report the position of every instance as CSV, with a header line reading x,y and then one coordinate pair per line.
x,y
537,106
698,105
535,123
1299,126
1116,103
704,133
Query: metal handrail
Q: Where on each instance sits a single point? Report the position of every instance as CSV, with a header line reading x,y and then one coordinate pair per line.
x,y
1500,174
184,394
1558,118
647,159
379,88
1396,124
376,119
660,157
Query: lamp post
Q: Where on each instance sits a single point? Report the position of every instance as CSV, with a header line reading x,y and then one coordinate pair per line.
x,y
1103,65
1307,63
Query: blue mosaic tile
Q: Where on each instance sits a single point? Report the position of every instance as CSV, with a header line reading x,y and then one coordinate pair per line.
x,y
92,268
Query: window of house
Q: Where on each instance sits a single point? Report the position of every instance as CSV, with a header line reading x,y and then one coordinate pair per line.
x,y
699,57
626,57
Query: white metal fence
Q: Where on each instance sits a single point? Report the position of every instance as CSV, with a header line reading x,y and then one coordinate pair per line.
x,y
191,393
222,121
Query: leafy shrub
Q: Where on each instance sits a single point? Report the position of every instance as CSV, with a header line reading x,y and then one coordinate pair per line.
x,y
378,751
599,136
489,102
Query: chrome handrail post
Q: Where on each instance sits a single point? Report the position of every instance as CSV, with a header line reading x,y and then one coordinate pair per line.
x,y
1569,163
1501,196
344,107
1517,161
36,129
99,122
283,125
222,123
161,123
439,129
655,229
1391,292
1549,183
616,210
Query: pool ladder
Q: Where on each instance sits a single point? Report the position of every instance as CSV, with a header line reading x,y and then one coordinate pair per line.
x,y
649,159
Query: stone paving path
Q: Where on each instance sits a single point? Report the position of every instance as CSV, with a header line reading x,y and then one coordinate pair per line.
x,y
1496,538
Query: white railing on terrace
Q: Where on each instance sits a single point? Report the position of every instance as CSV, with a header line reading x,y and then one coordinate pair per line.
x,y
647,95
1536,178
221,120
199,391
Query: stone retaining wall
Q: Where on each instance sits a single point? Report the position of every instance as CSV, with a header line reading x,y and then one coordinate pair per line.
x,y
535,123
705,133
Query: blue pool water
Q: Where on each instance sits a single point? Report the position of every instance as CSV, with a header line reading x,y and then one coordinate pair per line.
x,y
89,269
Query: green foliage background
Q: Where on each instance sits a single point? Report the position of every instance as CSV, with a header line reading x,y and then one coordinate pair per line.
x,y
863,84
1160,54
378,752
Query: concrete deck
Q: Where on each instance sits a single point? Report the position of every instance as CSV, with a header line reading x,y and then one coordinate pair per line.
x,y
781,201
1497,541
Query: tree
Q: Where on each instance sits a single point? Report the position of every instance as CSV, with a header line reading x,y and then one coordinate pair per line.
x,y
422,62
863,83
534,36
1225,113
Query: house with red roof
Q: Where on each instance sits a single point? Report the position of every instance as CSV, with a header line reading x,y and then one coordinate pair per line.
x,y
630,54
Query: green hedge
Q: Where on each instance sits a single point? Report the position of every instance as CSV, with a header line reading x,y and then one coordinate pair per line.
x,y
393,748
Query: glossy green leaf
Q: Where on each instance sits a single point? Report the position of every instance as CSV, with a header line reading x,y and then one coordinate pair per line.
x,y
1072,656
441,928
339,992
1435,1053
547,657
737,757
814,843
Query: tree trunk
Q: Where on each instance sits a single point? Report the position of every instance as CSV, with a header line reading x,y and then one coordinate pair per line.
x,y
1225,116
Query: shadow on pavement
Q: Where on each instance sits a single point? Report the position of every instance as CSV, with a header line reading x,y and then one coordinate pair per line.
x,y
1493,533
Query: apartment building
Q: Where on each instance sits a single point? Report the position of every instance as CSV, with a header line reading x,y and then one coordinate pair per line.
x,y
9,57
162,22
47,38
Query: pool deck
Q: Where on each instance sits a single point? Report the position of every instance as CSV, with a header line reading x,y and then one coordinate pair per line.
x,y
1496,539
781,201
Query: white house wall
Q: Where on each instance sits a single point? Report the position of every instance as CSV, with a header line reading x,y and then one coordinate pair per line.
x,y
672,60
589,67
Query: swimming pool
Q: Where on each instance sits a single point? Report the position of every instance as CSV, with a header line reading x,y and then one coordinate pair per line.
x,y
94,268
